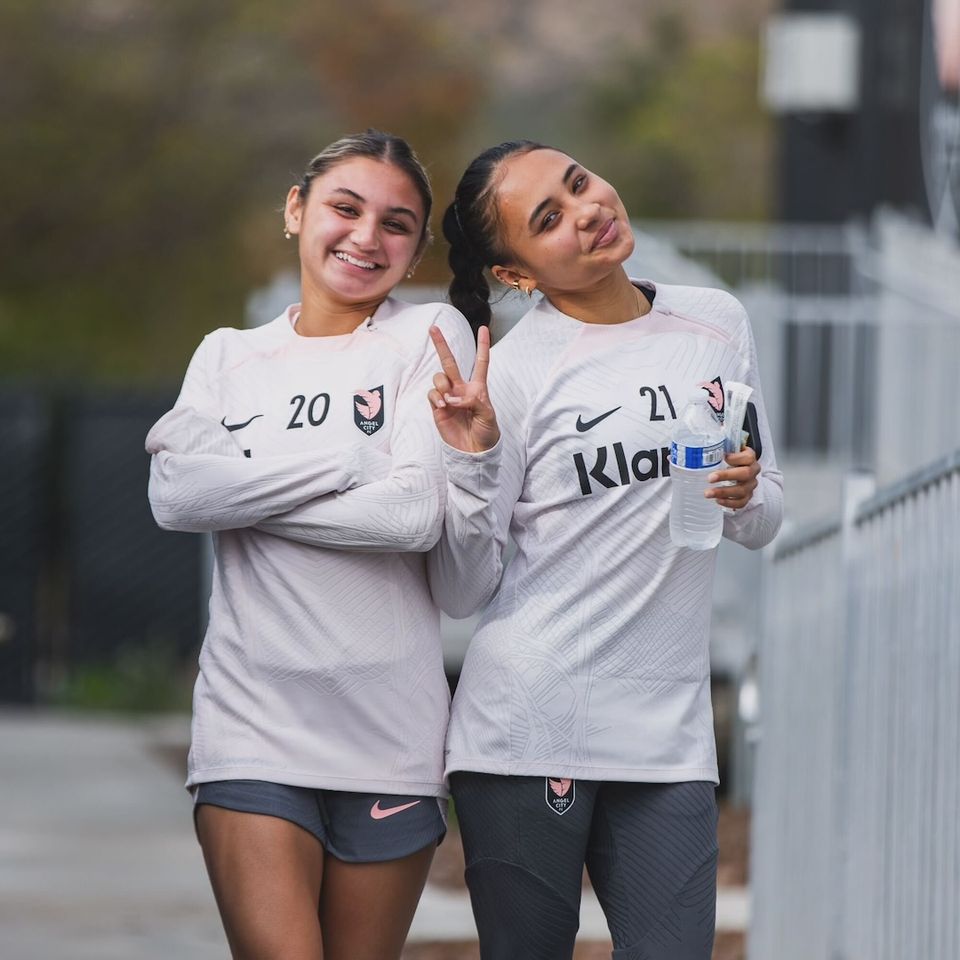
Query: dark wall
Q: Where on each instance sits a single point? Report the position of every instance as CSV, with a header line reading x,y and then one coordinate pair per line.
x,y
835,167
25,498
130,582
84,571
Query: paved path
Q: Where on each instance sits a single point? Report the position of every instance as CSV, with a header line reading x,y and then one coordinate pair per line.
x,y
98,859
445,915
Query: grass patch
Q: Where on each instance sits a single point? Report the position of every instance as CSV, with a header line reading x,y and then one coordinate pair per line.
x,y
146,678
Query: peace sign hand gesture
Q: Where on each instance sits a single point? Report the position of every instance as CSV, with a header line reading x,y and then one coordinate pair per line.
x,y
462,411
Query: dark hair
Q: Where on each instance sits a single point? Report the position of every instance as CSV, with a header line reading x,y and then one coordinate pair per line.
x,y
378,146
470,225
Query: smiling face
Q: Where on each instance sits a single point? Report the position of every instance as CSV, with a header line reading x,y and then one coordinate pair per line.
x,y
566,227
360,230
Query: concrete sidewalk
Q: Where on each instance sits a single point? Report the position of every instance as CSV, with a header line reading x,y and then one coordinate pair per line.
x,y
97,856
98,860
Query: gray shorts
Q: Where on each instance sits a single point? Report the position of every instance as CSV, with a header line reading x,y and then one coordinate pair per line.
x,y
355,827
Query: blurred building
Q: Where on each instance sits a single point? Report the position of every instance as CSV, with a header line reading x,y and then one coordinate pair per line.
x,y
854,294
858,658
867,99
866,94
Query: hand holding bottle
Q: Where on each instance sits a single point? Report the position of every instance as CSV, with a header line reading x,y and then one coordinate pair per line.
x,y
741,471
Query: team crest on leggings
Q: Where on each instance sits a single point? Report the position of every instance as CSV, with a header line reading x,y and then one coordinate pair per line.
x,y
368,409
560,794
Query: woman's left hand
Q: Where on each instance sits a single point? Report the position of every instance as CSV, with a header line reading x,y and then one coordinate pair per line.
x,y
743,469
462,411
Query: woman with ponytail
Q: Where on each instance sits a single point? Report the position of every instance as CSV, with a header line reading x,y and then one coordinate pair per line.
x,y
581,731
305,448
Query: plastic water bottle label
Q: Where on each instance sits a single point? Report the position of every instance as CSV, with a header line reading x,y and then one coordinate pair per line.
x,y
695,458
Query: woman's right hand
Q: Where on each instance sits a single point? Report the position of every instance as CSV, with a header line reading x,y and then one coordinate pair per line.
x,y
462,410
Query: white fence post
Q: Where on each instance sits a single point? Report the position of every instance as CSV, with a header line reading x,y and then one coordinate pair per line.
x,y
857,489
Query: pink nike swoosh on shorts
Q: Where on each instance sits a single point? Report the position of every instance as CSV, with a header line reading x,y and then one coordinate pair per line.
x,y
378,814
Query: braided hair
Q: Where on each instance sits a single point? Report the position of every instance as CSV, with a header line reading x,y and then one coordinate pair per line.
x,y
470,226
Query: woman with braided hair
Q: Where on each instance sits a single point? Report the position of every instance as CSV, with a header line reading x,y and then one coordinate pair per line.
x,y
581,730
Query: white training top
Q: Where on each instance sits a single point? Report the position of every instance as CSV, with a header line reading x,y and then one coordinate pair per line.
x,y
591,659
321,665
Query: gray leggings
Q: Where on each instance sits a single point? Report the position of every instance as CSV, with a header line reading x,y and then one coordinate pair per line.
x,y
650,850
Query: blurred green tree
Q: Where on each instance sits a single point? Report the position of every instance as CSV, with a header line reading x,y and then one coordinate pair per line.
x,y
146,150
398,69
682,132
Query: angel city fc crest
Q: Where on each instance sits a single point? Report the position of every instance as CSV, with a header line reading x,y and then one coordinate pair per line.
x,y
368,409
715,396
560,794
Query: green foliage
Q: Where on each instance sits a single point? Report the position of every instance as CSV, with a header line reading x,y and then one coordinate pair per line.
x,y
145,149
682,130
146,678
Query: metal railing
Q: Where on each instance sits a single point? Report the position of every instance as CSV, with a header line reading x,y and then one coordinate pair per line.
x,y
812,305
857,329
856,833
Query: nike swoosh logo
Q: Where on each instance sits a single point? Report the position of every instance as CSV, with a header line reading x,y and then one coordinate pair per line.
x,y
239,426
583,427
379,814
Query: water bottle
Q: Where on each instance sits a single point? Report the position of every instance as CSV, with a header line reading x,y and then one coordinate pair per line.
x,y
696,451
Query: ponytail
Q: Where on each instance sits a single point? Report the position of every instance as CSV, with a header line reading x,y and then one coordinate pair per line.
x,y
471,227
469,289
